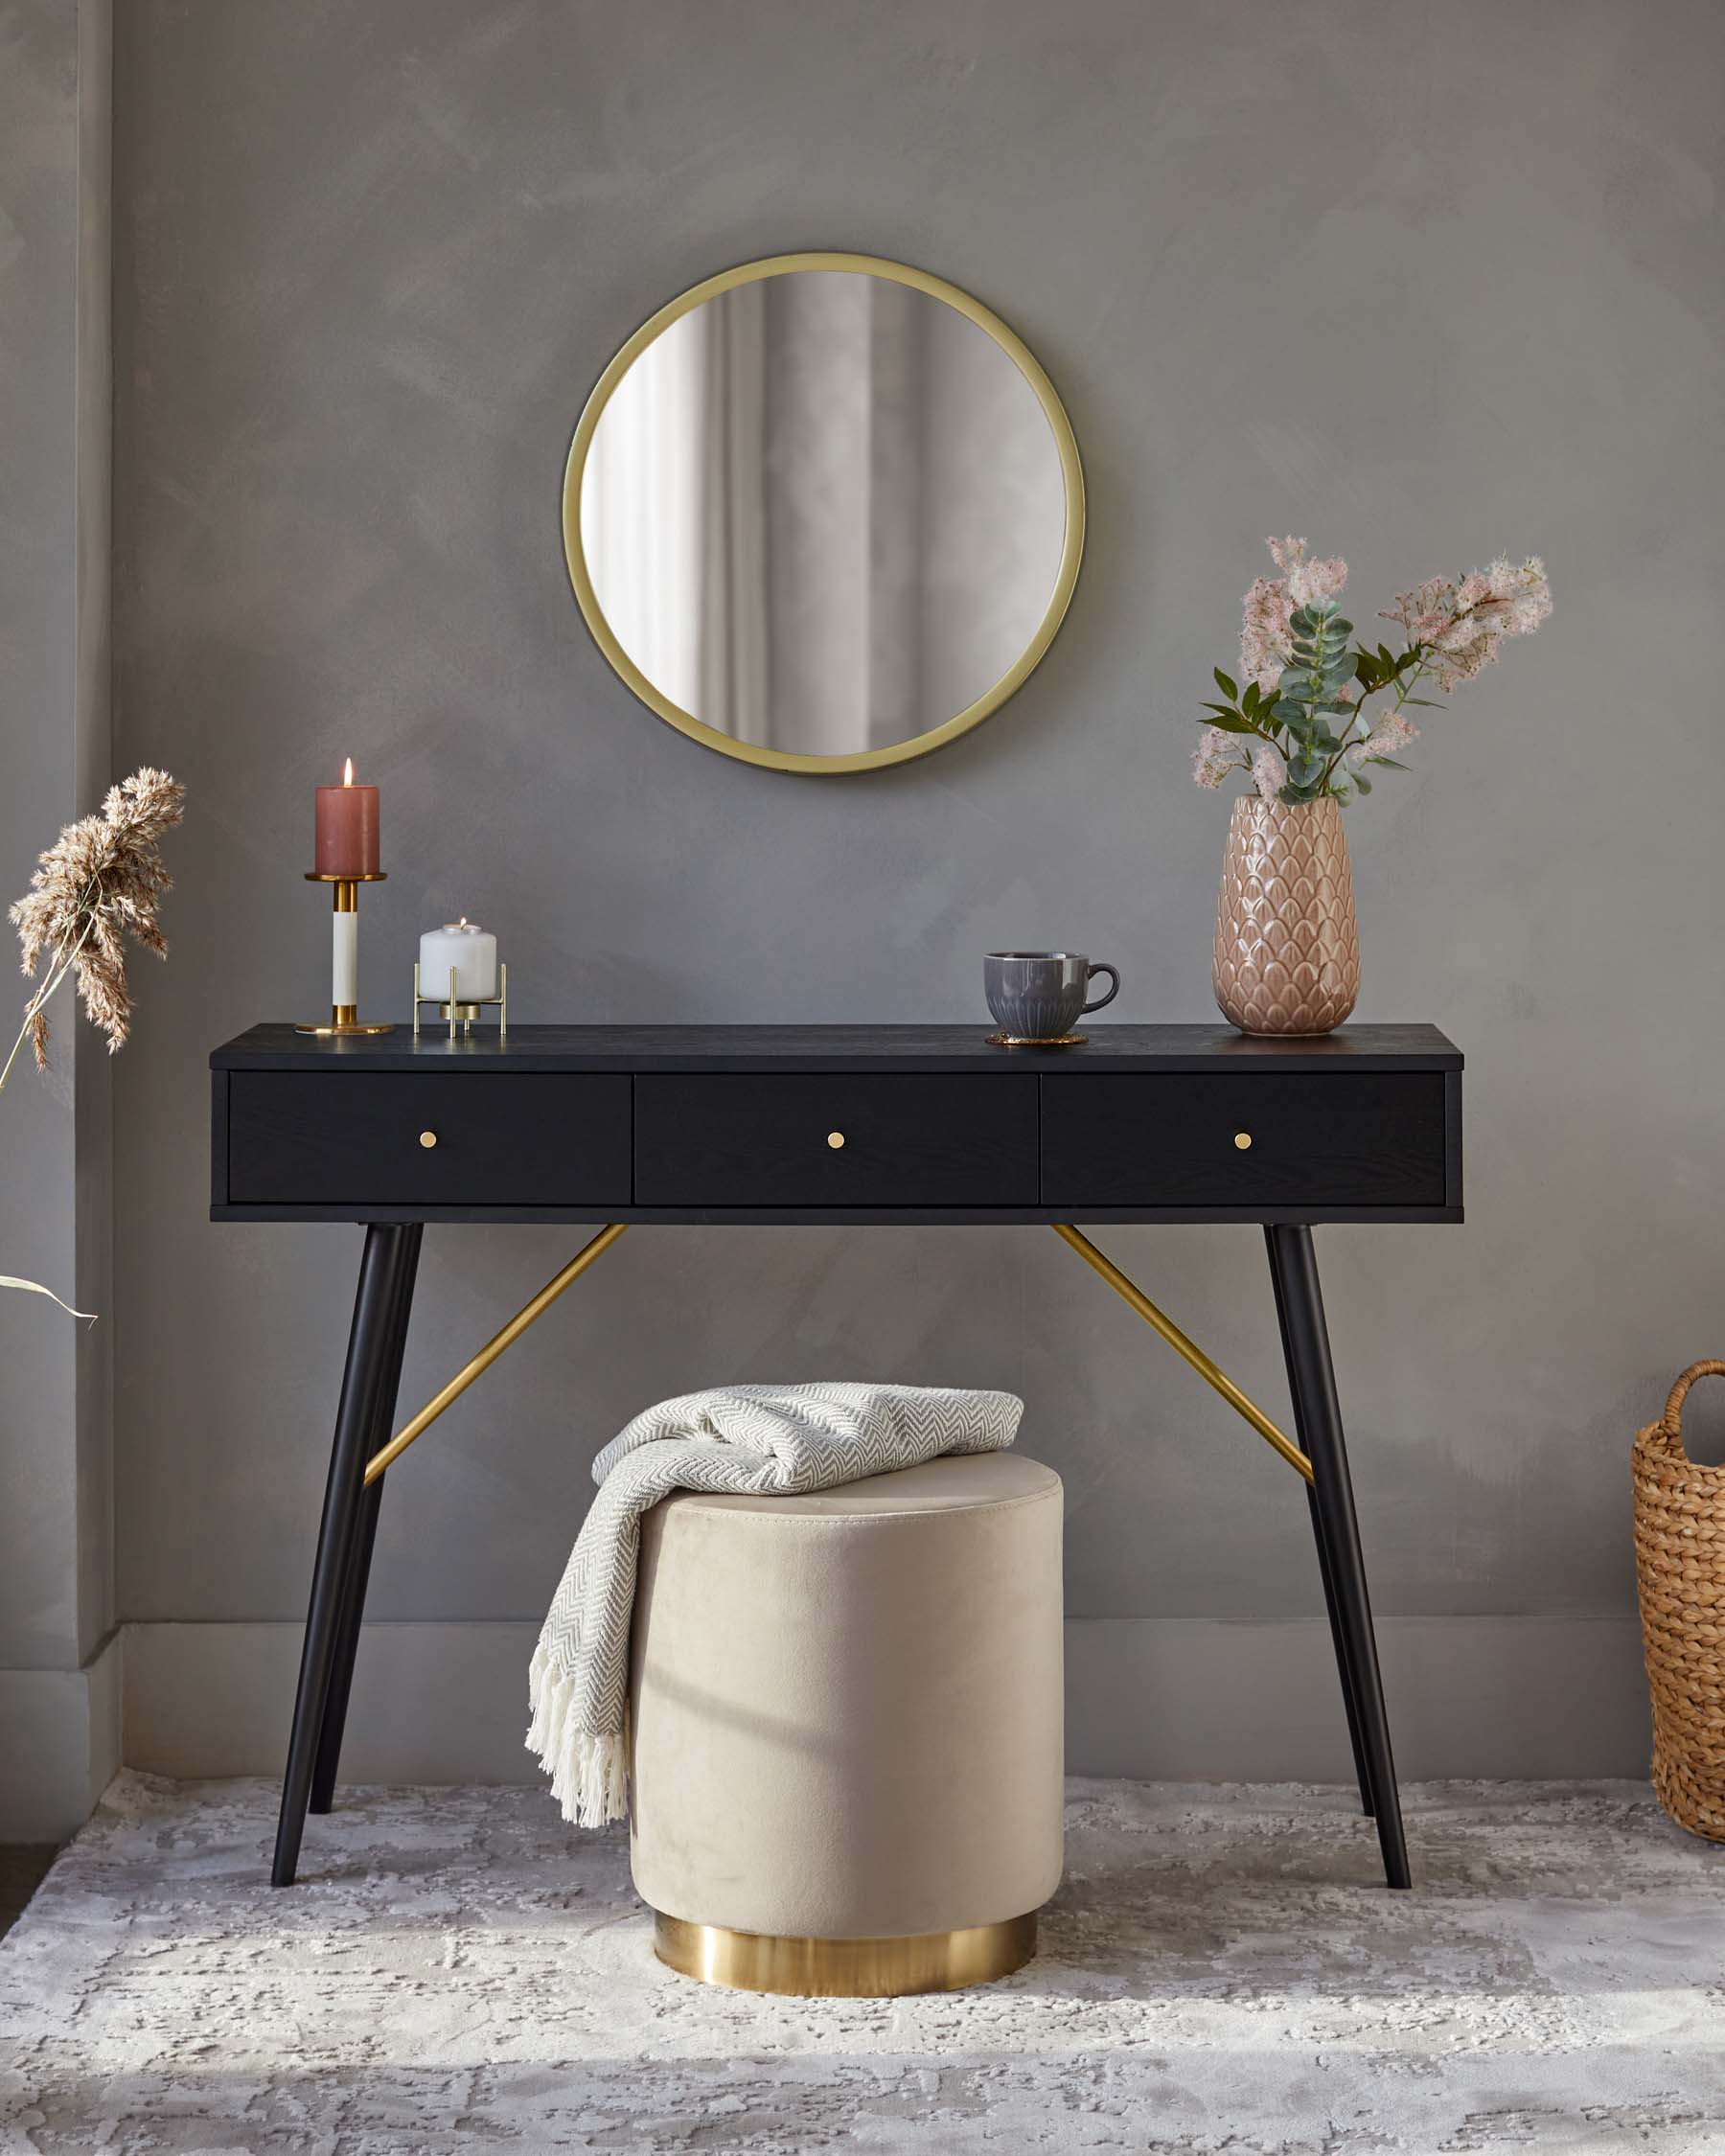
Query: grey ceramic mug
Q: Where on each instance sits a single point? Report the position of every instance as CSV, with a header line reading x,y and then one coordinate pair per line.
x,y
1039,995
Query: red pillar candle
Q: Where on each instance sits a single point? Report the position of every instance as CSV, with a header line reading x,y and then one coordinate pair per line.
x,y
347,828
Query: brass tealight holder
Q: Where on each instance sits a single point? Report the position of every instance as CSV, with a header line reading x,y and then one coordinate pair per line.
x,y
344,1018
463,1014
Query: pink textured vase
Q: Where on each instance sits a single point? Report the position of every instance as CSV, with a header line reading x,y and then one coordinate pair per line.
x,y
1287,949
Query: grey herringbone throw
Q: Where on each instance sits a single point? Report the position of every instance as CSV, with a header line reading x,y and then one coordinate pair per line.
x,y
739,1438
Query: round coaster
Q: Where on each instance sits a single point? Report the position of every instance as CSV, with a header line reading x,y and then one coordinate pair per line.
x,y
1055,1040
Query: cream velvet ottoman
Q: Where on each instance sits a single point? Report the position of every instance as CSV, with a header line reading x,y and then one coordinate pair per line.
x,y
846,1728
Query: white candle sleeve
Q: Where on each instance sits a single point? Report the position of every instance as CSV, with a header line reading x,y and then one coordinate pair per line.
x,y
345,980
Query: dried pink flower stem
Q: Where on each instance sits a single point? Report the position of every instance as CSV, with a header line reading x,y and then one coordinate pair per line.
x,y
1304,690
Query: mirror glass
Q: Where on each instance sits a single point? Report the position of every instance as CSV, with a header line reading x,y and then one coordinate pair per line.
x,y
817,515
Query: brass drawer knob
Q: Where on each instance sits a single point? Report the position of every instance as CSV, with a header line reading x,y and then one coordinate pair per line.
x,y
427,1138
834,1139
1243,1139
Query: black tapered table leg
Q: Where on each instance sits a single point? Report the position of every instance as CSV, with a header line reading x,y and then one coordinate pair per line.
x,y
1325,1571
381,1266
355,1580
1312,1380
359,1565
1333,1611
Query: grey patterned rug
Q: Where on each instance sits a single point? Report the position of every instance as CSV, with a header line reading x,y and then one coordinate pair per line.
x,y
1221,1972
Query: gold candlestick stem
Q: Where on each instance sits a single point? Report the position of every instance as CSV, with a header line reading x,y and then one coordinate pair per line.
x,y
344,1018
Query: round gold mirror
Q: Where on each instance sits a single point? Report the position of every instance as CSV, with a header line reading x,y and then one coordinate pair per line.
x,y
823,513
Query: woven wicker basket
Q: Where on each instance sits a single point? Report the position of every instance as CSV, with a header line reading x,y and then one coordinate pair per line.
x,y
1680,1573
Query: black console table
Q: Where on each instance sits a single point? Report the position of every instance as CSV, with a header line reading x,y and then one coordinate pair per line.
x,y
843,1126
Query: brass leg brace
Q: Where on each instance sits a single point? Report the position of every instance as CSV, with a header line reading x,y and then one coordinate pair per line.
x,y
607,1236
1193,1354
493,1348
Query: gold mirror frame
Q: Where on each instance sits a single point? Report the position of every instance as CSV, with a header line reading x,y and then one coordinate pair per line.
x,y
1071,547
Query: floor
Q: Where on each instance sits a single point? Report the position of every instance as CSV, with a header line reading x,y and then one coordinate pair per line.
x,y
1222,1971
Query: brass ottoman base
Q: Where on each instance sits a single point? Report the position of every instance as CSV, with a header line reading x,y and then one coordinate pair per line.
x,y
844,1968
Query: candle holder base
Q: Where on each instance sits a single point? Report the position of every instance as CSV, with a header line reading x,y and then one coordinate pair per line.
x,y
453,1013
344,1028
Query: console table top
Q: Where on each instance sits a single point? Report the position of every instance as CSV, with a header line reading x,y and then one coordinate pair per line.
x,y
927,1048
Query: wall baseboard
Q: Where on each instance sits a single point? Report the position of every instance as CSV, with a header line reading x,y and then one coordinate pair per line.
x,y
1167,1699
62,1744
1496,1698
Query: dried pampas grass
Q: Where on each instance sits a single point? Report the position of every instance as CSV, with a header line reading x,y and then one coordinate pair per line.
x,y
101,881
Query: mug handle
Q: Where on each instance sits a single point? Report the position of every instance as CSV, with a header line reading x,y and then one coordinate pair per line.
x,y
1113,973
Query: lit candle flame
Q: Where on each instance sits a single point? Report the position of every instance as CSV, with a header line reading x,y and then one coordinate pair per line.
x,y
347,773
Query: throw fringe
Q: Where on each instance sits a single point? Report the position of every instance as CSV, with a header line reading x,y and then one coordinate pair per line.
x,y
588,1768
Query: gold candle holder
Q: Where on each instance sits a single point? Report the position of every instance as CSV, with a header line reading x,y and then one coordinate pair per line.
x,y
344,1018
463,1014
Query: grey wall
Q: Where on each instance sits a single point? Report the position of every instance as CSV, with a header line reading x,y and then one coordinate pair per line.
x,y
58,1720
1421,293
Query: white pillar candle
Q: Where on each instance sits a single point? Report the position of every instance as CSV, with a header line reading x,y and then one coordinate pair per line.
x,y
473,952
345,984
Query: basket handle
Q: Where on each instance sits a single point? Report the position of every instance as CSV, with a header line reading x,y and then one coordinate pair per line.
x,y
1679,1392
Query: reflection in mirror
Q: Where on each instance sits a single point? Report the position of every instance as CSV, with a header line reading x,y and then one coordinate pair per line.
x,y
823,513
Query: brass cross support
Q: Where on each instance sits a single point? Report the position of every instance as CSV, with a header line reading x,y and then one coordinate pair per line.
x,y
493,1348
1179,1343
1131,1293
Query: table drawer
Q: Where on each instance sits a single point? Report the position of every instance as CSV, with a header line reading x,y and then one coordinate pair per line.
x,y
322,1138
737,1140
1330,1139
